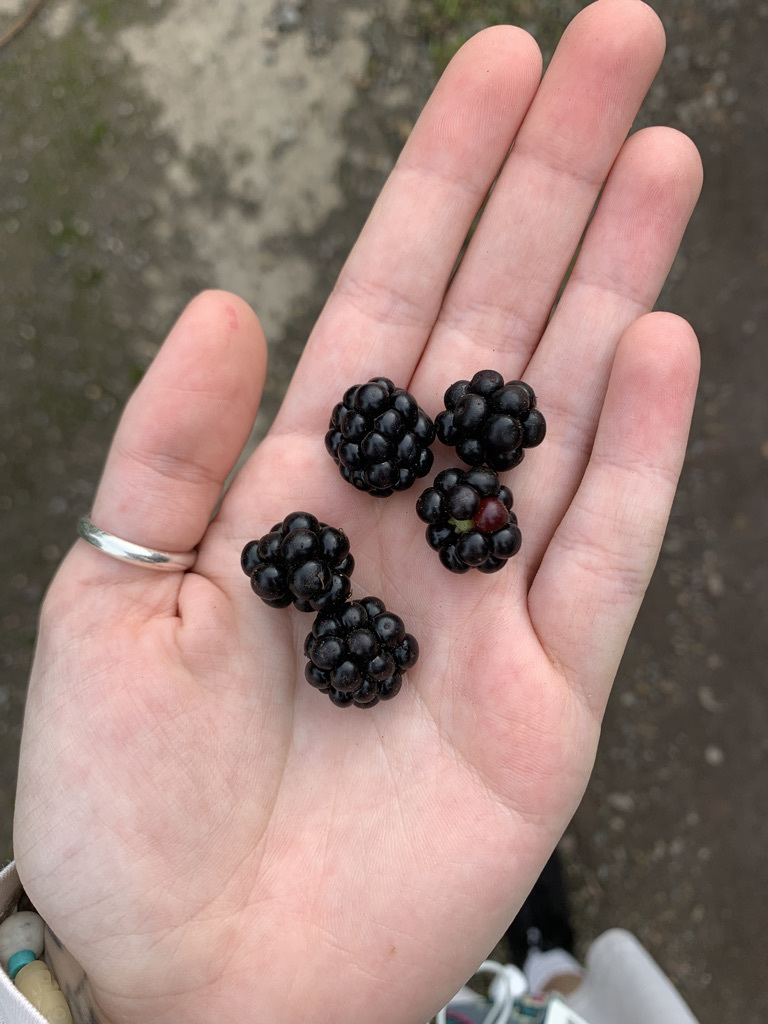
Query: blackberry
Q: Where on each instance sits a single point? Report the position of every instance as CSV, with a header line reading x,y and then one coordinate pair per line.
x,y
488,422
379,438
471,524
358,653
301,561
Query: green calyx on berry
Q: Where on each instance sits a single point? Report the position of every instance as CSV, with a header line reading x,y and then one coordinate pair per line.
x,y
491,516
462,525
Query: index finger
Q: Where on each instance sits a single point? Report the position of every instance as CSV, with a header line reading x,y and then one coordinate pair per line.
x,y
385,303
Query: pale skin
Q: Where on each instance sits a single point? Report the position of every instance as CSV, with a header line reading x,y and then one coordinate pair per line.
x,y
208,835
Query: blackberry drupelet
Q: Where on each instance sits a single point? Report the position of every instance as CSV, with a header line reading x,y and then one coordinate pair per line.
x,y
379,438
471,524
301,561
358,653
488,422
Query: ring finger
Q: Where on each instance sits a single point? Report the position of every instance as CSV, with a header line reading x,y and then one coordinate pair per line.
x,y
627,252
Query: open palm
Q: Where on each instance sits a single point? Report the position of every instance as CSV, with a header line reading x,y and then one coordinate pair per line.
x,y
210,836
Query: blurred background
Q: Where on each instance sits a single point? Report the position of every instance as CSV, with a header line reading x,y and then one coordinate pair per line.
x,y
150,149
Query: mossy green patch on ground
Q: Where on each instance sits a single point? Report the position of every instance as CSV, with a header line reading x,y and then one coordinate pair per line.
x,y
445,25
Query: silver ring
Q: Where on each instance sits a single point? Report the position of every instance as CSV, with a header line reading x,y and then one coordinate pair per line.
x,y
135,554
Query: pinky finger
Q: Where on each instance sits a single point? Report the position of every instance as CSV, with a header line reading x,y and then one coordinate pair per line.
x,y
591,582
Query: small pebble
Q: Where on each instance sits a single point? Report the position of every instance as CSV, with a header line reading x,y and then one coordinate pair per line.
x,y
709,701
622,802
714,756
24,930
715,584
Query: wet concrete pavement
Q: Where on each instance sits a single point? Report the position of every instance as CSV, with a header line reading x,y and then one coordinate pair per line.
x,y
152,149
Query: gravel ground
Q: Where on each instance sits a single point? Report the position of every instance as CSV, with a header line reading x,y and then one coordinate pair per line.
x,y
151,149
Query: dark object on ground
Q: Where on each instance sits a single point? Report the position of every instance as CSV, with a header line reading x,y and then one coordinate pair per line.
x,y
544,920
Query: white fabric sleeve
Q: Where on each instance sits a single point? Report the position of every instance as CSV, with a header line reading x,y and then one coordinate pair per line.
x,y
14,1008
624,985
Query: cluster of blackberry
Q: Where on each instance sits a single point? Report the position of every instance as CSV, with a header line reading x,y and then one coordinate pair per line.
x,y
357,650
379,438
471,522
470,517
358,653
488,422
301,561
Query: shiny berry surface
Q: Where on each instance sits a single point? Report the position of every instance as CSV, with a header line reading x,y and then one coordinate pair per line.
x,y
491,516
490,422
379,438
300,561
357,653
470,520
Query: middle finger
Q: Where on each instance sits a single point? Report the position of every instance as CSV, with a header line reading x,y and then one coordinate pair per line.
x,y
497,306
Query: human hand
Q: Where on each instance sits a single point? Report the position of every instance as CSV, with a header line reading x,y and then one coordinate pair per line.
x,y
210,837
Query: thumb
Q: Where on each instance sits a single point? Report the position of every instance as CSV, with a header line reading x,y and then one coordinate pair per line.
x,y
182,432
